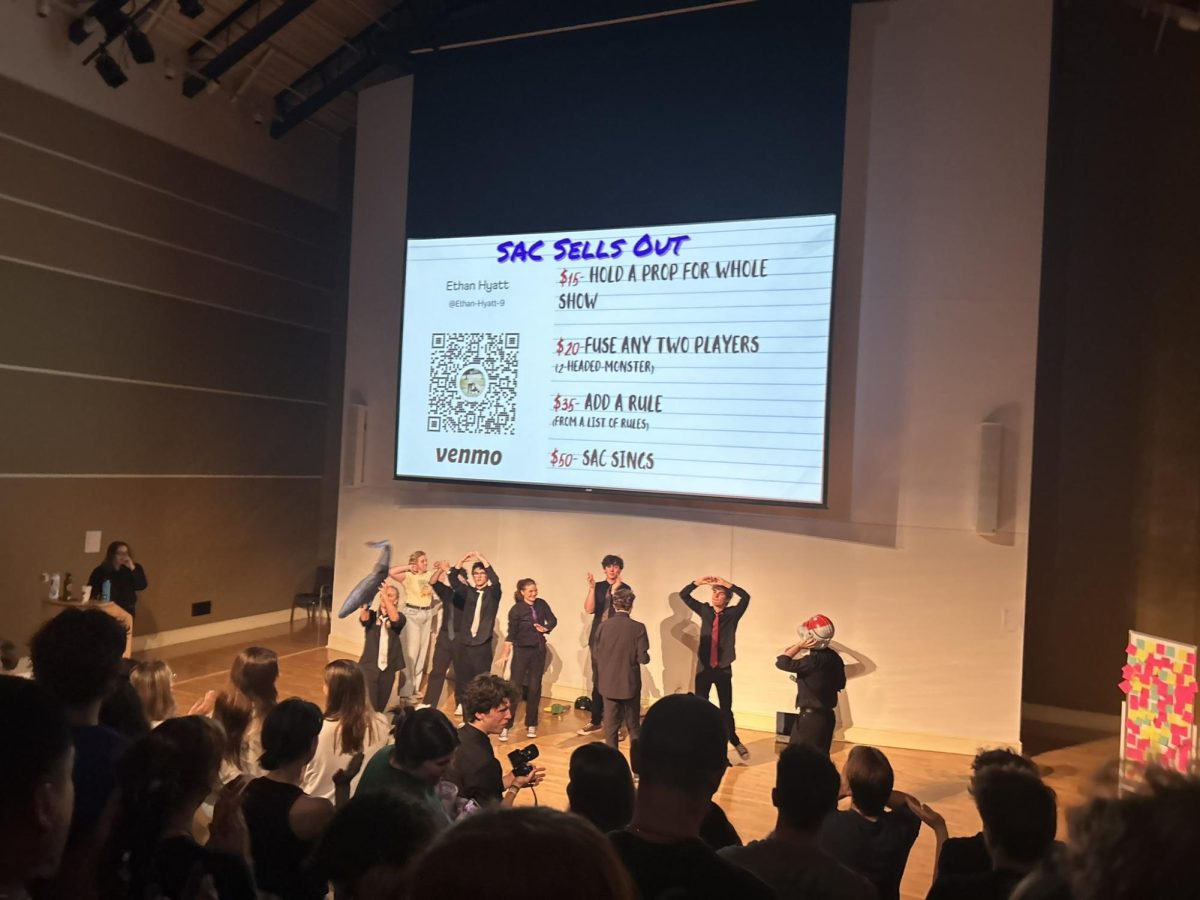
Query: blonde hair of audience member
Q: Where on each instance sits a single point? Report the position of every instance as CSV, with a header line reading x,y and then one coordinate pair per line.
x,y
570,855
346,703
241,707
152,680
161,781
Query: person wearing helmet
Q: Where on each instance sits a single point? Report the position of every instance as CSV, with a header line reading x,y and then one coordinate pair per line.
x,y
820,674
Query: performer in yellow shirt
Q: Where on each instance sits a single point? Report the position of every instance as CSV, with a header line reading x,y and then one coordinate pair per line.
x,y
418,610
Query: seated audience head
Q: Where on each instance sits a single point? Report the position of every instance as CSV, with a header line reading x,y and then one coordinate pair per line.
x,y
569,855
9,657
289,733
153,680
1002,757
682,746
870,779
487,702
346,703
122,709
161,779
1019,816
806,787
1141,844
425,741
622,599
601,786
250,694
36,790
77,657
372,839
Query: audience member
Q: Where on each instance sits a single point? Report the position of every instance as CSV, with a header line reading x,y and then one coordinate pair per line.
x,y
122,709
1019,818
241,708
351,727
36,793
875,835
790,859
370,842
601,786
12,663
118,578
163,779
77,657
423,748
284,822
152,680
681,758
487,703
555,853
969,855
716,830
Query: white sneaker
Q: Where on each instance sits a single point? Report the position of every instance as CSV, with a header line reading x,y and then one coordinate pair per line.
x,y
458,710
422,706
504,735
531,732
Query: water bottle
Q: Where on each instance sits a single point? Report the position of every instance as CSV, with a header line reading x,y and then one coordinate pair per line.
x,y
106,591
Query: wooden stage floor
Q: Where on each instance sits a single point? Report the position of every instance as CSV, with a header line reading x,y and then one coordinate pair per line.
x,y
1071,759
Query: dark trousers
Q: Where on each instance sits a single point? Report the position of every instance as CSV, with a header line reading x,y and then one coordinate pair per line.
x,y
528,667
379,684
815,728
597,700
618,712
469,661
443,655
722,678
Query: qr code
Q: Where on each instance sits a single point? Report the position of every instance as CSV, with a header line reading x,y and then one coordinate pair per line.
x,y
473,383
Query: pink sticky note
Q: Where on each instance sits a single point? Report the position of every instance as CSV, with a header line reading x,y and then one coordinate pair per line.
x,y
1125,686
1130,650
1160,649
1189,717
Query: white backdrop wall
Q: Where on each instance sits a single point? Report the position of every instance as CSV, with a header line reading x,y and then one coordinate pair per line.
x,y
934,332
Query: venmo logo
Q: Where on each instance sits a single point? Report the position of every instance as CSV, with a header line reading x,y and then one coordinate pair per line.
x,y
467,457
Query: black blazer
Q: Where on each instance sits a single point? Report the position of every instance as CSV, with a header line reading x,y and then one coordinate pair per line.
x,y
390,633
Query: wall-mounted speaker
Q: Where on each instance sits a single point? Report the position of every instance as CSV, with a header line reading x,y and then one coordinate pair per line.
x,y
354,456
991,445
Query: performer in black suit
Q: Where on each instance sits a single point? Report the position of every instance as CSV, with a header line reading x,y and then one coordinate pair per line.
x,y
382,656
718,632
475,605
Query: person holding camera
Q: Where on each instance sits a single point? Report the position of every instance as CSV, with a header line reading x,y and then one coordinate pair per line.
x,y
487,703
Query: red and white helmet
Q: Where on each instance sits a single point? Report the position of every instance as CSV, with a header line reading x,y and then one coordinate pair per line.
x,y
819,628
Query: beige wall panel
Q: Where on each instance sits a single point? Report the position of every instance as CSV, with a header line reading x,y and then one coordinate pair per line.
x,y
38,177
51,240
58,321
73,425
43,120
246,545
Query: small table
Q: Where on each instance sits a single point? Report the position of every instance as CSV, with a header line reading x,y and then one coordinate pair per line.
x,y
57,606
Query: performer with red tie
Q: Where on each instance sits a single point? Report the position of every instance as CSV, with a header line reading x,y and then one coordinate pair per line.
x,y
718,631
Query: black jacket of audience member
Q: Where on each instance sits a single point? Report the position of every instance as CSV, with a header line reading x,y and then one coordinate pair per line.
x,y
475,769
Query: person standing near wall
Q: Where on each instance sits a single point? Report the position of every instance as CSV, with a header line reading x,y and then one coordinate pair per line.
x,y
820,674
597,602
382,656
529,621
118,578
718,632
480,601
414,579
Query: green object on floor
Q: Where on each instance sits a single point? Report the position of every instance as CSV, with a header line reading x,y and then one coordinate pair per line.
x,y
556,709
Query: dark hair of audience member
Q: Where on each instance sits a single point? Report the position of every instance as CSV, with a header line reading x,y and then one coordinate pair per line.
x,y
250,692
612,560
346,703
600,786
568,855
36,790
1019,815
806,787
870,779
382,829
288,732
1141,844
1002,756
77,655
110,555
8,656
421,735
171,769
122,709
484,693
682,745
152,681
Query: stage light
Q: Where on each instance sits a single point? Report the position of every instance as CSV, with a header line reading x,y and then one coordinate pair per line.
x,y
191,8
77,31
140,47
112,73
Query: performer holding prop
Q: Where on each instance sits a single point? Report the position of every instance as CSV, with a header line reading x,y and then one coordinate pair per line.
x,y
820,674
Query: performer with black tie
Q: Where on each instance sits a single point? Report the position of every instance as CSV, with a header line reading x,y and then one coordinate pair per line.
x,y
597,603
718,632
382,655
475,605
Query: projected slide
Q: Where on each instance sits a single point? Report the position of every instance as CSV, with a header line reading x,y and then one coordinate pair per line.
x,y
682,359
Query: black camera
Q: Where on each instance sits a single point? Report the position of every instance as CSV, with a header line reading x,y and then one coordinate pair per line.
x,y
521,759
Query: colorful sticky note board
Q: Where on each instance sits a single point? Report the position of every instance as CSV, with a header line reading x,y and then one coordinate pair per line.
x,y
1159,681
